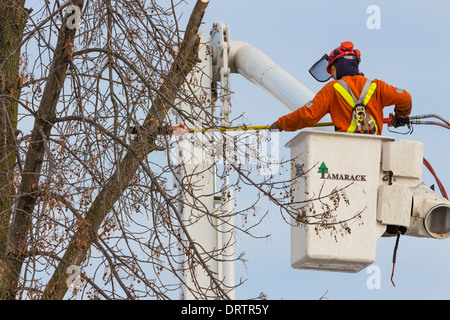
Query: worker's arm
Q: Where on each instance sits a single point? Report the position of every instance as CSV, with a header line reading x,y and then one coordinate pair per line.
x,y
391,95
307,115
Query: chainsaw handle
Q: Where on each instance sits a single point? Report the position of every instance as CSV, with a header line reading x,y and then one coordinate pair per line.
x,y
389,121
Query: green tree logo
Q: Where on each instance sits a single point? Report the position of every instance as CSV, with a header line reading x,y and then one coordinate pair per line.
x,y
323,169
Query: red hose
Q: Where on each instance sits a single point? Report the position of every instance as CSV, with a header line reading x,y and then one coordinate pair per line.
x,y
439,183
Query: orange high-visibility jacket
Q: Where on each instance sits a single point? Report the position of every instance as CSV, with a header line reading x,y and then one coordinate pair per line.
x,y
329,100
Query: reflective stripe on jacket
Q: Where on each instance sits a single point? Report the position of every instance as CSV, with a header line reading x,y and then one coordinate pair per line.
x,y
329,100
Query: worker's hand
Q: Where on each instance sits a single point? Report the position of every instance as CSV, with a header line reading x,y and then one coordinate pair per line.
x,y
399,122
274,126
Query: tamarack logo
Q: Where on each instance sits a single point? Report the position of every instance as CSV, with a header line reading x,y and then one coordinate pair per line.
x,y
325,174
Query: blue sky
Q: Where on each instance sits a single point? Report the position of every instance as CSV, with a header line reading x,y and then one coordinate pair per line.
x,y
408,51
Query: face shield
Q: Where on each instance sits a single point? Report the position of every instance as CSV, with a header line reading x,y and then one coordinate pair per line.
x,y
319,69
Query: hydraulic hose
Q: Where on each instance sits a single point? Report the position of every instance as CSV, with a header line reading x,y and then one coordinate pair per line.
x,y
435,123
439,183
431,116
414,120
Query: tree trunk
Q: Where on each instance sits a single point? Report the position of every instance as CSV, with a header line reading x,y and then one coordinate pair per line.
x,y
18,232
12,21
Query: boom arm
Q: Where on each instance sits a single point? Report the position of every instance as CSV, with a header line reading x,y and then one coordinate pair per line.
x,y
255,66
258,68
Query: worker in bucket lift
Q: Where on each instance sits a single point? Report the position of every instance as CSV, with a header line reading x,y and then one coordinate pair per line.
x,y
354,102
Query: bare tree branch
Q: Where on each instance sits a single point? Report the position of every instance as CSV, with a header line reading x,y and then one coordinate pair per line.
x,y
114,188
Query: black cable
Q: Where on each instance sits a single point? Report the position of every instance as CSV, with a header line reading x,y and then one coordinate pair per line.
x,y
394,257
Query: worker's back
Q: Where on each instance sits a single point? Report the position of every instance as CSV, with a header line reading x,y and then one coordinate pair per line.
x,y
383,95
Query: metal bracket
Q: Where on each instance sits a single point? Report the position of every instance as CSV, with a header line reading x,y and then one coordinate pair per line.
x,y
388,176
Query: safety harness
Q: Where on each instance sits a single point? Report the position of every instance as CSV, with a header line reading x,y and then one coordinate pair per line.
x,y
362,122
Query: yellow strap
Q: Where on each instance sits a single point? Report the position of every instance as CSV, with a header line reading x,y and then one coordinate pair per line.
x,y
352,126
369,94
344,93
375,123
